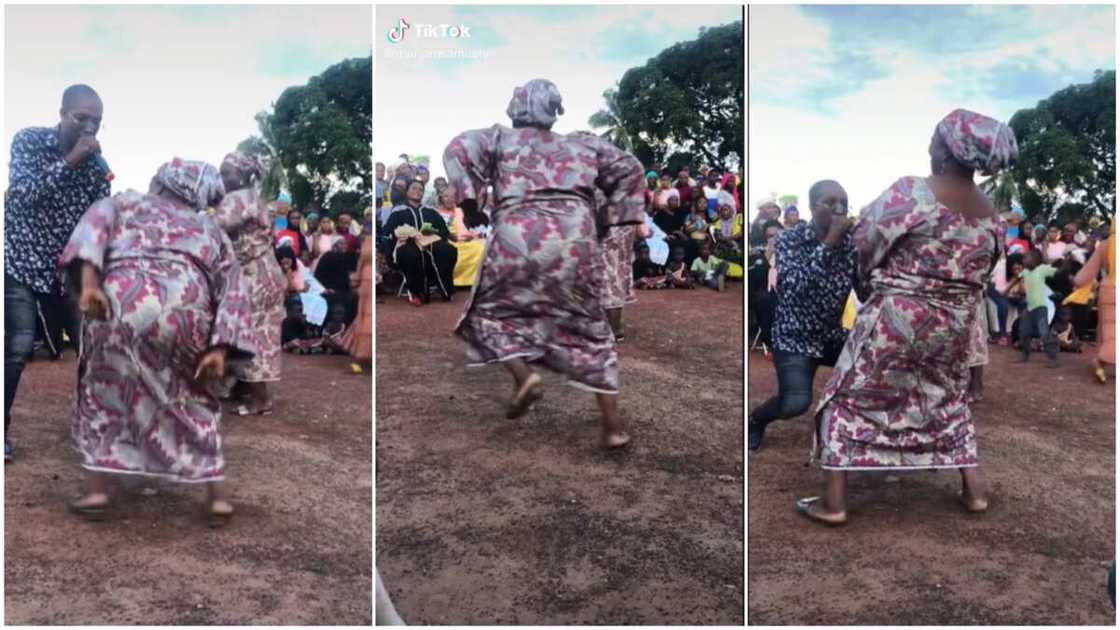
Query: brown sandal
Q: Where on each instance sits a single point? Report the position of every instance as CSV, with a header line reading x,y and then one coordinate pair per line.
x,y
529,393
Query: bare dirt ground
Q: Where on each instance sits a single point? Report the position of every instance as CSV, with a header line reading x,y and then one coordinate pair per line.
x,y
483,520
298,550
910,555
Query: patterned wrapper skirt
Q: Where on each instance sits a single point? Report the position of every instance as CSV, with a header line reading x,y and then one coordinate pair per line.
x,y
898,396
139,409
538,296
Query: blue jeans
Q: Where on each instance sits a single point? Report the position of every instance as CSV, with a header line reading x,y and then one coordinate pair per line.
x,y
1034,323
20,322
1003,306
795,388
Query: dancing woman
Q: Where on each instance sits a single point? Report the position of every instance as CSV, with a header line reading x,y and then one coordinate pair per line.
x,y
246,219
899,396
163,305
538,296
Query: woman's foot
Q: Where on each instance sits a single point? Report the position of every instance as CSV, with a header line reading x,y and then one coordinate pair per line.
x,y
615,440
813,509
91,507
530,391
218,513
415,301
253,409
1100,375
976,505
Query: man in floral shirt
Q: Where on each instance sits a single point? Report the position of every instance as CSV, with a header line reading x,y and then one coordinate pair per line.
x,y
816,264
54,178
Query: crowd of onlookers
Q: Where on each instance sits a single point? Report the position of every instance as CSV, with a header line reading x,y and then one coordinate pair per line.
x,y
695,226
1031,283
319,253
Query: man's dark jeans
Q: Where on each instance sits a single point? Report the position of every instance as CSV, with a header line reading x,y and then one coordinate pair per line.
x,y
795,388
20,322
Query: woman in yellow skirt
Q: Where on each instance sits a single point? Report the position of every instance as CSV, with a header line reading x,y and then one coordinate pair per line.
x,y
470,243
1103,259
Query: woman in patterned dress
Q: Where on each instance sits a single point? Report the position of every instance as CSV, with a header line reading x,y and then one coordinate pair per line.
x,y
245,217
538,295
163,304
899,396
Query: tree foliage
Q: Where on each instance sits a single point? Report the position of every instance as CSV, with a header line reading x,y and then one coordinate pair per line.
x,y
319,136
684,104
1066,169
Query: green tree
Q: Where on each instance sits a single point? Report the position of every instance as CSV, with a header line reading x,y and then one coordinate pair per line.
x,y
1002,190
688,100
321,134
1067,152
611,118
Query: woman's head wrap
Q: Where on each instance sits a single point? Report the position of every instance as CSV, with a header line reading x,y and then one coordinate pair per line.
x,y
978,142
197,183
247,164
537,103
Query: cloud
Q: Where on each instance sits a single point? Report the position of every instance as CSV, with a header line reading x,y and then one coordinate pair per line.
x,y
420,103
853,93
175,80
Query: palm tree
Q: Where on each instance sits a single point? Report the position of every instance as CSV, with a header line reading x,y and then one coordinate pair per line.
x,y
1001,189
275,177
611,118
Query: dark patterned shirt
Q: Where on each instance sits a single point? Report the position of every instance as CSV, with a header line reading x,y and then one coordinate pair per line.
x,y
814,281
43,203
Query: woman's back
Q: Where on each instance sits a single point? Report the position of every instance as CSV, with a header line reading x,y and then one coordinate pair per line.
x,y
909,240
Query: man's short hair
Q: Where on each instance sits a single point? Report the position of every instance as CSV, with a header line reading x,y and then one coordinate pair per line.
x,y
817,189
74,92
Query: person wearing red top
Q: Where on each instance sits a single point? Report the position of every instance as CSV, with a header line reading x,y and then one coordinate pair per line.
x,y
292,236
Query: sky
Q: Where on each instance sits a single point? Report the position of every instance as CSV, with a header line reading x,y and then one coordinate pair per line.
x,y
421,102
853,93
180,81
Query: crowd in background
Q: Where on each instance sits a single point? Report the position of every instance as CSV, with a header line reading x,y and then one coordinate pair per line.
x,y
694,224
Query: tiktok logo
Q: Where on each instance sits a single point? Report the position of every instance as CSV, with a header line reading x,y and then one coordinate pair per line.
x,y
396,35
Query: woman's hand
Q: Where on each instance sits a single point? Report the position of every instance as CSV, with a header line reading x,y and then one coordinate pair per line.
x,y
212,365
93,303
644,231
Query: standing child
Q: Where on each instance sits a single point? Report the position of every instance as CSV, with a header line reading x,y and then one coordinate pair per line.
x,y
709,270
1034,321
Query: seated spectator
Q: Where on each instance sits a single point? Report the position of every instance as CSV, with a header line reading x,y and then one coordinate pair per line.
x,y
471,242
647,274
709,270
1055,248
291,235
728,230
289,264
295,326
323,240
333,272
1064,331
696,225
1005,272
712,189
677,271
